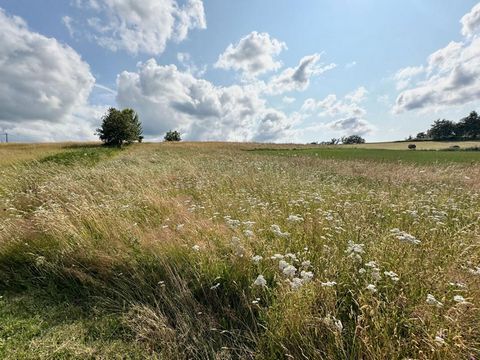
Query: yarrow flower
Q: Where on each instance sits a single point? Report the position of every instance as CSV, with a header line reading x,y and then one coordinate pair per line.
x,y
296,283
276,230
405,237
290,270
294,218
355,250
257,258
277,257
372,288
260,281
393,276
306,276
432,301
282,264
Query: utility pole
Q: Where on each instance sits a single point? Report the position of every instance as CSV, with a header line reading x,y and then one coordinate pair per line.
x,y
6,137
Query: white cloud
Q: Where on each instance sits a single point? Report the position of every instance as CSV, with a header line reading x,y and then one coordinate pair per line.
x,y
42,80
254,55
471,21
185,60
298,78
167,98
405,75
143,26
68,22
452,74
347,113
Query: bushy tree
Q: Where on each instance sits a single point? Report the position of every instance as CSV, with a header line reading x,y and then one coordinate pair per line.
x,y
469,127
119,127
421,136
442,130
172,136
353,139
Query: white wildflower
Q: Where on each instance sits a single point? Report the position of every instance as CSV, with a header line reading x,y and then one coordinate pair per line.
x,y
277,257
405,237
290,270
276,230
306,263
306,276
260,281
393,276
329,284
459,299
248,233
196,247
372,288
439,340
257,258
282,264
355,250
294,218
296,283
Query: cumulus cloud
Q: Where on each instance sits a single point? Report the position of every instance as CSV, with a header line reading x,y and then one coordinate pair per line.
x,y
167,98
471,21
298,78
43,81
142,26
451,76
253,55
347,113
404,76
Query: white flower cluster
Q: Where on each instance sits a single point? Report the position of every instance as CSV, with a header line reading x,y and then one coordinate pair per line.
x,y
355,251
276,230
405,237
295,218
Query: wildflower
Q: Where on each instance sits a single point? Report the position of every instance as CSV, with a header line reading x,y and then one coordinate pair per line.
x,y
432,301
306,276
260,281
376,274
256,301
294,218
289,270
291,256
372,288
196,247
333,322
282,264
180,226
458,284
475,271
276,230
459,299
405,237
248,233
277,257
329,284
355,250
257,258
296,283
393,276
362,271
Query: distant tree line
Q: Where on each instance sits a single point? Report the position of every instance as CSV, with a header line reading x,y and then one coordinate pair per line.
x,y
467,128
348,140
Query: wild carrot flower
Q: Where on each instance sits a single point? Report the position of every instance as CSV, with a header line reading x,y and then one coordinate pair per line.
x,y
306,276
260,281
290,270
276,230
282,264
405,237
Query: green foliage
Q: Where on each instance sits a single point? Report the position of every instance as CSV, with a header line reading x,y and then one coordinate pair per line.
x,y
442,130
119,127
172,136
353,139
467,128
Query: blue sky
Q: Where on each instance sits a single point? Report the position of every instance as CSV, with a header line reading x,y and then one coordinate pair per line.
x,y
272,70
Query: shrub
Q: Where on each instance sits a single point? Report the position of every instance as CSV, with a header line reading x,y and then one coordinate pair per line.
x,y
412,146
172,136
119,127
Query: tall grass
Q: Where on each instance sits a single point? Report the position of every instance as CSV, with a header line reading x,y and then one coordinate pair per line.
x,y
154,248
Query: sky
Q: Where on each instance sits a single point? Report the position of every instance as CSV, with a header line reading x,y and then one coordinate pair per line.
x,y
225,70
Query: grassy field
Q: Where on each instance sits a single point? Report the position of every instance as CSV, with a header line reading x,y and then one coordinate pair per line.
x,y
215,251
421,145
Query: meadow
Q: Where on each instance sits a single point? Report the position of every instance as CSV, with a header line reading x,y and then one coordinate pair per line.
x,y
238,251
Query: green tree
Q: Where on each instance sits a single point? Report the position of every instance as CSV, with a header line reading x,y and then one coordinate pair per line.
x,y
353,139
469,127
172,136
119,127
442,130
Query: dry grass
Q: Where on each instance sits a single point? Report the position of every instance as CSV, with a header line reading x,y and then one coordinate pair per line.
x,y
153,248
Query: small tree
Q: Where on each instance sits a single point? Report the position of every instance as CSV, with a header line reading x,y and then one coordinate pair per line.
x,y
119,127
172,136
353,139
